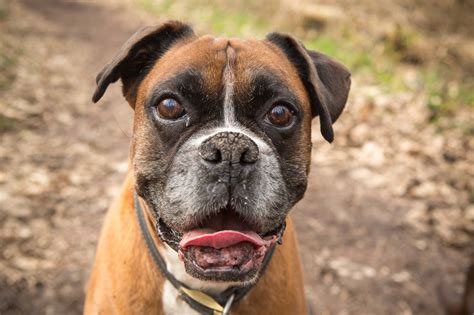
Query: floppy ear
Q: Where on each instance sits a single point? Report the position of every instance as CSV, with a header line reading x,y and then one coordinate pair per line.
x,y
326,80
137,56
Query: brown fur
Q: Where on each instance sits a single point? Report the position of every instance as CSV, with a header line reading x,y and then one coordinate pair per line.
x,y
125,280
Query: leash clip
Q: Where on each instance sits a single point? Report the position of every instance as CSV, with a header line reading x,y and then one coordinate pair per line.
x,y
228,305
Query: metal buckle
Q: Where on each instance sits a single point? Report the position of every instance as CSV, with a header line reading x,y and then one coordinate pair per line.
x,y
228,305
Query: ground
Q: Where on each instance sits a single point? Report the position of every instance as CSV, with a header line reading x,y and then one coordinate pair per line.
x,y
388,216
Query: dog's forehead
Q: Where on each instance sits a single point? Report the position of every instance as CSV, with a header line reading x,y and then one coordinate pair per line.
x,y
209,56
255,57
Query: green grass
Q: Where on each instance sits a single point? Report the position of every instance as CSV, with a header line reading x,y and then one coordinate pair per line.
x,y
209,16
446,98
8,54
356,60
3,11
7,124
7,63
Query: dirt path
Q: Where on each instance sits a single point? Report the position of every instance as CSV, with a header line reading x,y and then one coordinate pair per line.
x,y
66,160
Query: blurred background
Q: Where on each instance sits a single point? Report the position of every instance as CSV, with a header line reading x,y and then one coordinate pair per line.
x,y
388,219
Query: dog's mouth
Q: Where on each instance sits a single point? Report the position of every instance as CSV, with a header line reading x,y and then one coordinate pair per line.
x,y
222,248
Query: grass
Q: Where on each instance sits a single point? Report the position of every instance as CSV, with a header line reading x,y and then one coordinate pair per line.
x,y
3,13
208,16
445,98
8,59
8,55
7,123
3,10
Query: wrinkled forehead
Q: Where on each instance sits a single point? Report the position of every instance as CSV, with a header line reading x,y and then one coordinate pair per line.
x,y
206,58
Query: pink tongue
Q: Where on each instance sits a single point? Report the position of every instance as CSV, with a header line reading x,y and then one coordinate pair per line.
x,y
220,239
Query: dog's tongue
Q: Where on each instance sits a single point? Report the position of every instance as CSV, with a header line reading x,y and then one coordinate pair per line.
x,y
220,239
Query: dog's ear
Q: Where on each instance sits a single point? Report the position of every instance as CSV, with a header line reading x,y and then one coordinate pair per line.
x,y
326,80
136,57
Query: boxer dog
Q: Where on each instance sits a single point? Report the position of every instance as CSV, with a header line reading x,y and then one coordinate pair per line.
x,y
220,153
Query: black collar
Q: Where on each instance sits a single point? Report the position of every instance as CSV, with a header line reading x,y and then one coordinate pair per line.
x,y
198,300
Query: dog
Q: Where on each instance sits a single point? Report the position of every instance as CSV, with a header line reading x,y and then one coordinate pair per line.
x,y
219,155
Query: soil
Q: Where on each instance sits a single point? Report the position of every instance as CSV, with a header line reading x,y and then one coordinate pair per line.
x,y
370,239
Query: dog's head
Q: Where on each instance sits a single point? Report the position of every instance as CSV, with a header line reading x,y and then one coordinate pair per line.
x,y
222,141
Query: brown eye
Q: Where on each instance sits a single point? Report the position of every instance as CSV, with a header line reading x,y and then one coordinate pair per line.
x,y
280,116
169,108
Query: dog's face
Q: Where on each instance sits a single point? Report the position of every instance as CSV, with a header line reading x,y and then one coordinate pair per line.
x,y
222,141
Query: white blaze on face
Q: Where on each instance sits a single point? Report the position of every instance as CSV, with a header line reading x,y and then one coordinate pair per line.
x,y
229,81
230,123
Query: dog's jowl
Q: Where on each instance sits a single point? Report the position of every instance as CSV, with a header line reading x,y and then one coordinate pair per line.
x,y
220,154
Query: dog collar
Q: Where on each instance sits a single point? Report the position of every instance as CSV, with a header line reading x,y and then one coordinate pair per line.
x,y
202,302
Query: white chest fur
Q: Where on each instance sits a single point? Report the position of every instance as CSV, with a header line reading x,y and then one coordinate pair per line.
x,y
173,304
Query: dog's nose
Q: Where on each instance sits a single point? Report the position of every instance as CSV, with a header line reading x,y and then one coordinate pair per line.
x,y
230,147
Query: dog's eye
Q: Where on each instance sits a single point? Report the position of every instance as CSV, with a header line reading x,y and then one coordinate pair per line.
x,y
280,115
170,108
